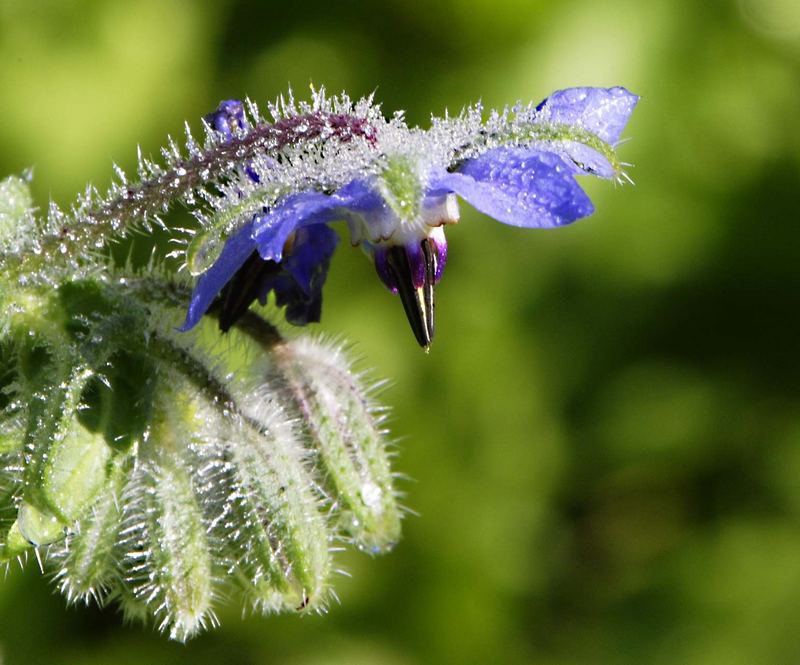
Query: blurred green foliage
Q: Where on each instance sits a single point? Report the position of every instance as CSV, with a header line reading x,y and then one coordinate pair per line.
x,y
605,438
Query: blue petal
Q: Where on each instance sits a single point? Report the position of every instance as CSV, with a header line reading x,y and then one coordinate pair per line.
x,y
298,286
272,228
313,248
585,160
519,186
237,248
602,111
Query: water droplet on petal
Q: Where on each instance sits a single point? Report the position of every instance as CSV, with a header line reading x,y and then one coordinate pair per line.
x,y
203,250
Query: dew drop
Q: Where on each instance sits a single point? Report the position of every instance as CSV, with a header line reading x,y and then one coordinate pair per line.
x,y
202,251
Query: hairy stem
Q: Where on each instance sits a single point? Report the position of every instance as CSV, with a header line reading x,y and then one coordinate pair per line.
x,y
94,219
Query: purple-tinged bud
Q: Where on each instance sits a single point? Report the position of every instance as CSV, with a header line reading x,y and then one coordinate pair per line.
x,y
227,119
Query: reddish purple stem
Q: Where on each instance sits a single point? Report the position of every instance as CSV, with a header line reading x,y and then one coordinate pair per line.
x,y
149,196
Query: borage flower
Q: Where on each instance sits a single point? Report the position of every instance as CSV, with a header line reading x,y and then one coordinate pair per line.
x,y
518,167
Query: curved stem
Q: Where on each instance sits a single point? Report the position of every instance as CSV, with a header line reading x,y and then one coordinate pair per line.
x,y
94,220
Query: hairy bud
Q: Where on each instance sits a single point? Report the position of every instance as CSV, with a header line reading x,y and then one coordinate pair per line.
x,y
143,467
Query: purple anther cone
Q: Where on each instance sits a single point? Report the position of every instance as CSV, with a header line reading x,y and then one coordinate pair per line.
x,y
416,260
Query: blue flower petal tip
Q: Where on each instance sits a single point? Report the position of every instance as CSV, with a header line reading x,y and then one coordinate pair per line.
x,y
396,188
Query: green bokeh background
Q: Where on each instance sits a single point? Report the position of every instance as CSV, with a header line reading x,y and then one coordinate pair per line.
x,y
604,441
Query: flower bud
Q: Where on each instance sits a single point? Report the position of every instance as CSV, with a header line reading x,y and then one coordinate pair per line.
x,y
345,425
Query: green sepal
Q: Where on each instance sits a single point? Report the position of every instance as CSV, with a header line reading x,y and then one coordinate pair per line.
x,y
556,134
75,471
179,550
12,544
400,186
335,411
12,409
12,430
284,545
53,383
169,535
89,559
15,544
